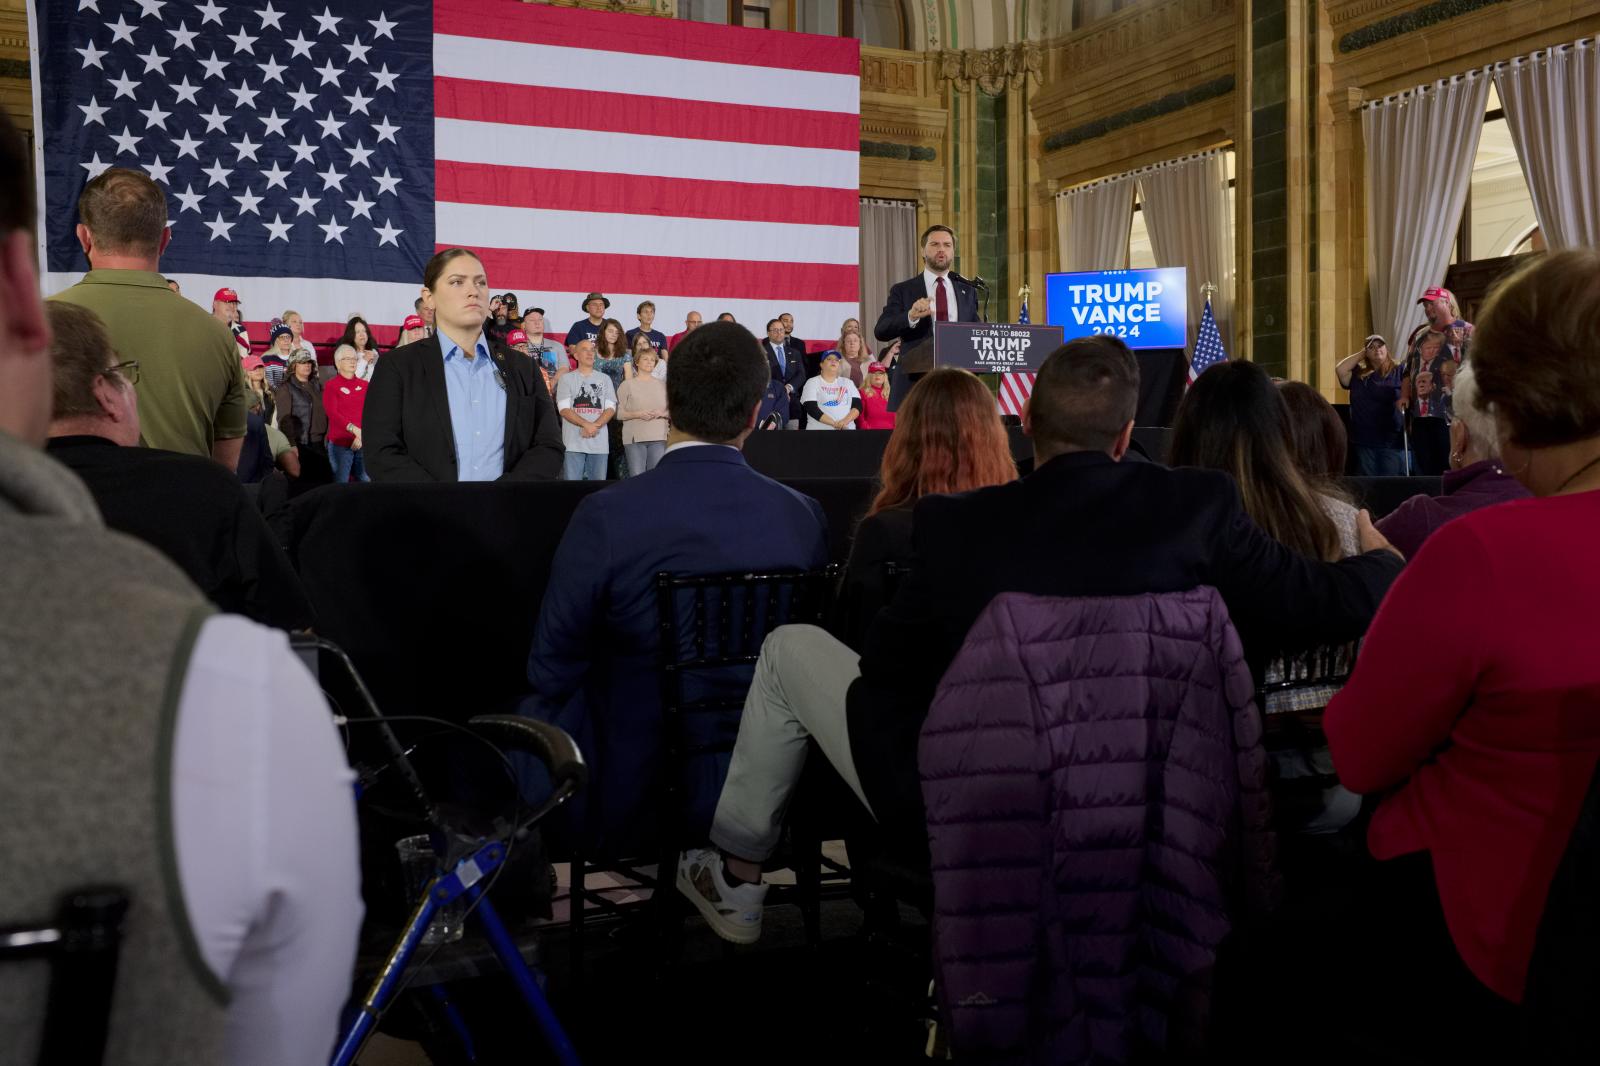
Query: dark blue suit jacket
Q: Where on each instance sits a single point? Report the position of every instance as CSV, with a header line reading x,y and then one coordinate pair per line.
x,y
593,667
893,323
793,374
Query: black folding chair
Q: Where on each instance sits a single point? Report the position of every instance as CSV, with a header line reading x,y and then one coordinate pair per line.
x,y
1294,692
81,945
711,631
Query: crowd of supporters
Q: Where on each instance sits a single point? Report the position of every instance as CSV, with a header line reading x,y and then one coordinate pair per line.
x,y
840,386
1456,784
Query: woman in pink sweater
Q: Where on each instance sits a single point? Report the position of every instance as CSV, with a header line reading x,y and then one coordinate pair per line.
x,y
1472,720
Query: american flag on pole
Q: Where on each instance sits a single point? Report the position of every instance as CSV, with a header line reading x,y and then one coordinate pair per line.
x,y
1207,345
315,161
1015,388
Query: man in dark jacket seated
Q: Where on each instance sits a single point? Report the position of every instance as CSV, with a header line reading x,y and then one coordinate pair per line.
x,y
191,509
1084,523
702,510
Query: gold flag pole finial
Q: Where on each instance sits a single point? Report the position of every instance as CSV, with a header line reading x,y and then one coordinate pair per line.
x,y
1207,290
1024,292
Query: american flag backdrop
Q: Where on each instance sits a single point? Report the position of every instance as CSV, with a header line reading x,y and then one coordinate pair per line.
x,y
315,157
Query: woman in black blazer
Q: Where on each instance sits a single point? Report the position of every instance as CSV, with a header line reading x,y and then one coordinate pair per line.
x,y
407,425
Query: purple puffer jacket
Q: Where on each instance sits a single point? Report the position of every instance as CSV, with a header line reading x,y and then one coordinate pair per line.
x,y
1098,816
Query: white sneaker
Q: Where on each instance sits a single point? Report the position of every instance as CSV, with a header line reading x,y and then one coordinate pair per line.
x,y
732,911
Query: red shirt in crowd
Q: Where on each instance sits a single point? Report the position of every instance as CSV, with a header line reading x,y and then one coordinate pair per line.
x,y
1475,706
343,398
875,413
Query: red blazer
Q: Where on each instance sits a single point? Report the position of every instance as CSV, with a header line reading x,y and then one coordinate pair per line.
x,y
343,398
1475,705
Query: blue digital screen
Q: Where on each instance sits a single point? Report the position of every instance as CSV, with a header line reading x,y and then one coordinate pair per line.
x,y
1146,308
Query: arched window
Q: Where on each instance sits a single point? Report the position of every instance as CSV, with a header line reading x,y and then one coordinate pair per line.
x,y
881,23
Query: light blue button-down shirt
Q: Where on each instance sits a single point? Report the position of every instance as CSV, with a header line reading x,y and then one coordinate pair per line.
x,y
477,410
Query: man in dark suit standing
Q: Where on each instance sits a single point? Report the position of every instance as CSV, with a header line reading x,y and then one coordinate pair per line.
x,y
1084,523
454,407
936,295
787,371
593,667
914,305
797,348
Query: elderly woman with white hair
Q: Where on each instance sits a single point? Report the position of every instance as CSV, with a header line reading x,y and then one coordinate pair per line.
x,y
1475,478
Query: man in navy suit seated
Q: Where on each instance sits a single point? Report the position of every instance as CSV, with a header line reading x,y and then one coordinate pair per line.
x,y
593,667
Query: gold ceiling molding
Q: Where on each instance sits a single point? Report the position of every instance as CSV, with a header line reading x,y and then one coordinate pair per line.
x,y
901,76
893,129
993,70
1137,28
1340,13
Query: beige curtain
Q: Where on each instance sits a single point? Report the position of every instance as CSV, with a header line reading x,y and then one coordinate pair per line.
x,y
1188,208
1420,145
889,254
1094,223
1552,102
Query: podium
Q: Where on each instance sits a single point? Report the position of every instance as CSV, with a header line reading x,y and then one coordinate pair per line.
x,y
981,347
993,347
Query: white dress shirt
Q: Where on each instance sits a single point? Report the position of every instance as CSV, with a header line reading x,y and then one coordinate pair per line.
x,y
264,825
697,444
928,279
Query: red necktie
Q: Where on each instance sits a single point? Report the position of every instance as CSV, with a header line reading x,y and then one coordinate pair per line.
x,y
941,303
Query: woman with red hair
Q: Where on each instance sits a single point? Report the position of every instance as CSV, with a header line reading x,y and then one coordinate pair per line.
x,y
947,438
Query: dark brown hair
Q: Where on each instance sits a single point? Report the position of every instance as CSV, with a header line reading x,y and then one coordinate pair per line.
x,y
1085,392
1533,352
718,377
125,210
350,334
1234,420
931,230
1316,433
436,266
947,438
604,350
80,352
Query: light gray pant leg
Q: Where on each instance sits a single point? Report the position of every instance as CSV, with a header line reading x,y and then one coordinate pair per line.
x,y
798,691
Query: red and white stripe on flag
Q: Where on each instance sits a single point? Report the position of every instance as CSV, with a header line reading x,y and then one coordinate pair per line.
x,y
707,168
1014,392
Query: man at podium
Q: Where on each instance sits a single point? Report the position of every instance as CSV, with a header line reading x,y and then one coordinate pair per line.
x,y
938,294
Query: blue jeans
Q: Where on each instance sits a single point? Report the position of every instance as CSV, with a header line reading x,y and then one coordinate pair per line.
x,y
346,461
644,456
1380,462
584,466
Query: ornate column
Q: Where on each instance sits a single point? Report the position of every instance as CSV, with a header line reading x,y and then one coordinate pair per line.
x,y
995,168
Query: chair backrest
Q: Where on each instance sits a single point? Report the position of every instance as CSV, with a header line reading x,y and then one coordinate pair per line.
x,y
712,627
81,945
714,624
1307,680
